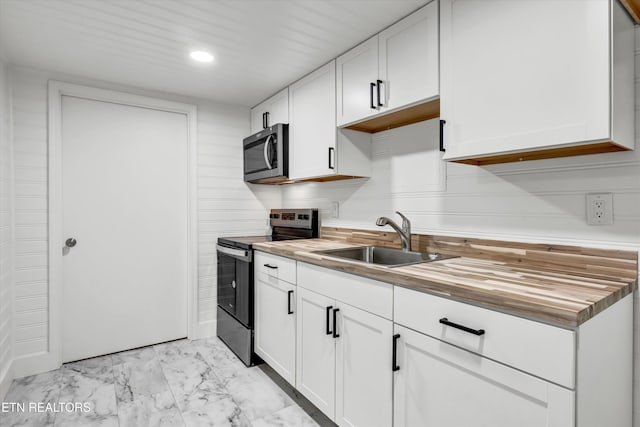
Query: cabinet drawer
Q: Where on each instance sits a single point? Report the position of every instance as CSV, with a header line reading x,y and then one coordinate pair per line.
x,y
275,266
370,295
438,384
542,350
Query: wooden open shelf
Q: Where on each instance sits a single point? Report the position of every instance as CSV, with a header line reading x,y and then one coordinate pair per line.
x,y
324,179
549,153
417,113
633,7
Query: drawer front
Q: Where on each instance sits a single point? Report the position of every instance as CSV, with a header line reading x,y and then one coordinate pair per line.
x,y
370,295
275,266
542,350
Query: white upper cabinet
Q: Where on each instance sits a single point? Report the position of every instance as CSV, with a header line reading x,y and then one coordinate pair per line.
x,y
312,130
356,86
273,110
316,148
557,83
393,70
408,59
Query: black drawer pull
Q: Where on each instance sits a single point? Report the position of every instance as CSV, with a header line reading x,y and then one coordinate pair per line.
x,y
273,267
331,151
372,87
442,123
394,363
445,321
289,311
329,332
335,325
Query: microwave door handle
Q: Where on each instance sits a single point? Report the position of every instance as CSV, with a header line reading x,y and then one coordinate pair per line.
x,y
266,152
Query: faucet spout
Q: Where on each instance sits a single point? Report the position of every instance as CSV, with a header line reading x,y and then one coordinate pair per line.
x,y
404,232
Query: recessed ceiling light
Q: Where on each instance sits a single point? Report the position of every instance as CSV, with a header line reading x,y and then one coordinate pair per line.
x,y
201,56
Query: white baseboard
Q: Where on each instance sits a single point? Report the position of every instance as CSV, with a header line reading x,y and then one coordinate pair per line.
x,y
204,330
5,381
35,364
42,362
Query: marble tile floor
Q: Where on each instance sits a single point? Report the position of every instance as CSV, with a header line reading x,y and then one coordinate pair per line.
x,y
179,383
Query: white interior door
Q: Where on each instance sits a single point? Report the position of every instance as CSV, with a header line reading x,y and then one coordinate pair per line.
x,y
125,201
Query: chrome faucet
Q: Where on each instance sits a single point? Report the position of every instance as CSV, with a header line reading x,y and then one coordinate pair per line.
x,y
404,232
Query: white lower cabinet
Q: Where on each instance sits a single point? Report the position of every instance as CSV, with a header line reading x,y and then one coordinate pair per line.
x,y
369,354
441,385
275,324
363,368
316,350
344,360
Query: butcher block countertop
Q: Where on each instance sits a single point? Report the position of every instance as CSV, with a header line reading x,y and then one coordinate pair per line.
x,y
564,297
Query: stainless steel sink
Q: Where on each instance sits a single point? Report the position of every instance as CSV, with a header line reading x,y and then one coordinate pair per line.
x,y
383,256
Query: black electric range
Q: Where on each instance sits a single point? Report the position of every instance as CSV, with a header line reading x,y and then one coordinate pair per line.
x,y
235,276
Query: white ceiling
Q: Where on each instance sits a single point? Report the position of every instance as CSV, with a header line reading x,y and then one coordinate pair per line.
x,y
260,45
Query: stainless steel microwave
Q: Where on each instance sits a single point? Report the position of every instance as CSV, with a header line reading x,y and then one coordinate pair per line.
x,y
266,155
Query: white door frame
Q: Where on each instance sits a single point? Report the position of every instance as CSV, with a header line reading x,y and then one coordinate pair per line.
x,y
56,91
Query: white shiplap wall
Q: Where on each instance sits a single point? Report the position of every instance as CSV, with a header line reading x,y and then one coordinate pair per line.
x,y
6,239
540,201
226,205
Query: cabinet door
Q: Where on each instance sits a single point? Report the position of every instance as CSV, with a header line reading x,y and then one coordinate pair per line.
x,y
439,385
276,108
355,71
315,354
312,128
363,369
257,118
275,325
546,78
408,61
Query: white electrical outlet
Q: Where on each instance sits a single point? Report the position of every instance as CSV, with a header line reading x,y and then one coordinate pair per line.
x,y
600,209
335,209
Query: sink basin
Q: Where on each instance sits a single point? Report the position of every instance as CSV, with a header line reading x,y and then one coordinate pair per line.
x,y
383,256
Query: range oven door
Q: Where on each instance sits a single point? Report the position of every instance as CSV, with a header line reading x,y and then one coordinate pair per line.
x,y
235,283
266,155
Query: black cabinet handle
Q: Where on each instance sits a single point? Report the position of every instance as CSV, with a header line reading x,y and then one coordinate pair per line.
x,y
335,325
378,83
289,311
371,88
273,267
265,120
445,321
442,122
328,315
394,363
331,151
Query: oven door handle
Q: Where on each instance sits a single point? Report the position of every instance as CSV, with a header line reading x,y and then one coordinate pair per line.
x,y
240,254
267,159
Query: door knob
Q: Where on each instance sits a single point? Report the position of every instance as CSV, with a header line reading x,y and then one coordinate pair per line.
x,y
71,242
